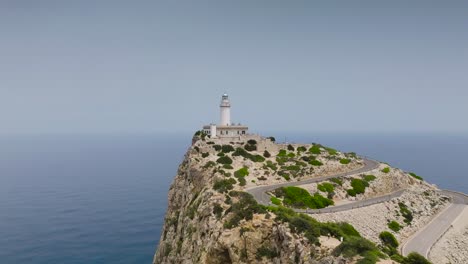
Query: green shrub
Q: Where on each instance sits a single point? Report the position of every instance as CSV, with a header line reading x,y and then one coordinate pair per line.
x,y
353,246
282,153
209,164
205,154
326,187
351,192
292,168
217,147
415,258
240,175
369,178
273,139
406,213
359,186
245,154
266,154
291,155
250,147
267,252
315,149
394,225
331,151
275,200
315,163
337,181
388,239
290,147
196,148
271,165
227,148
227,166
224,160
415,176
301,149
221,154
345,161
243,209
218,210
225,185
386,170
252,142
301,198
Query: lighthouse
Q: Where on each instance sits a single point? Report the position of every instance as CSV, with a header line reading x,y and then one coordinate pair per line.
x,y
225,129
225,109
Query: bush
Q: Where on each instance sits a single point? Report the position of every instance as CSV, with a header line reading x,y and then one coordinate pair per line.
x,y
351,192
205,154
359,186
315,149
394,225
224,160
243,209
386,170
315,163
353,246
369,178
221,154
271,165
406,213
301,149
415,176
326,187
290,147
282,153
227,148
266,154
217,147
223,186
273,139
209,164
245,154
388,239
345,161
252,142
264,251
301,198
275,201
218,210
415,258
250,147
331,151
227,166
242,172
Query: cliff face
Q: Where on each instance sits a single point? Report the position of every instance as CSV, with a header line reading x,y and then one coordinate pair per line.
x,y
193,233
210,219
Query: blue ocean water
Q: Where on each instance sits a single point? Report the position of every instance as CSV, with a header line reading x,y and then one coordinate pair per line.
x,y
102,199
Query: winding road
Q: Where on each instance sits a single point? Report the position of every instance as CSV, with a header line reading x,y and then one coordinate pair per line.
x,y
260,192
423,240
420,242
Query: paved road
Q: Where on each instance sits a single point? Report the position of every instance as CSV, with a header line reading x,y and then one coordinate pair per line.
x,y
260,192
423,240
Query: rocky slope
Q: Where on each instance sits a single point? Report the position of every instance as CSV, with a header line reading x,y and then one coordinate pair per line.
x,y
211,220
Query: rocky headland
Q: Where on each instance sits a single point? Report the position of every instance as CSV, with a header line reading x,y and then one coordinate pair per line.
x,y
212,217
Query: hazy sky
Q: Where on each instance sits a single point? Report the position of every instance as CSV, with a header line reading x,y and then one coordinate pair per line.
x,y
306,66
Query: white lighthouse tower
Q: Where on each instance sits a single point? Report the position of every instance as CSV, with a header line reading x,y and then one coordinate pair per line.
x,y
225,129
225,108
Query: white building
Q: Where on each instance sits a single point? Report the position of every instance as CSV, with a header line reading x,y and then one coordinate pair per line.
x,y
225,128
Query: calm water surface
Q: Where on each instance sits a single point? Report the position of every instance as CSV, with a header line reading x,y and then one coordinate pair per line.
x,y
102,199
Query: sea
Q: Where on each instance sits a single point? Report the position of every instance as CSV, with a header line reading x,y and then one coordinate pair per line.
x,y
102,198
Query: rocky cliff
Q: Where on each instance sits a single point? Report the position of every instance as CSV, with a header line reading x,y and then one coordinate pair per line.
x,y
211,219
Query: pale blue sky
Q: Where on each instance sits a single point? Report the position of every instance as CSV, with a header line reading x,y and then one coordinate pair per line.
x,y
304,66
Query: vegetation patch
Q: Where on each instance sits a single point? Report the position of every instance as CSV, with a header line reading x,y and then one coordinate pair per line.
x,y
217,147
388,239
290,147
275,201
228,166
386,170
301,149
331,151
225,185
227,148
247,155
266,154
271,165
315,163
267,252
250,147
359,186
406,213
240,175
326,187
218,210
394,226
315,149
345,161
412,174
369,178
209,164
224,160
244,208
300,198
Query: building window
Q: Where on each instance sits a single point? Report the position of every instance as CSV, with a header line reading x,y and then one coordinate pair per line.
x,y
243,132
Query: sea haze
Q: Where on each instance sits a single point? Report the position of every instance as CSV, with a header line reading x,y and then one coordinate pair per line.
x,y
102,199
